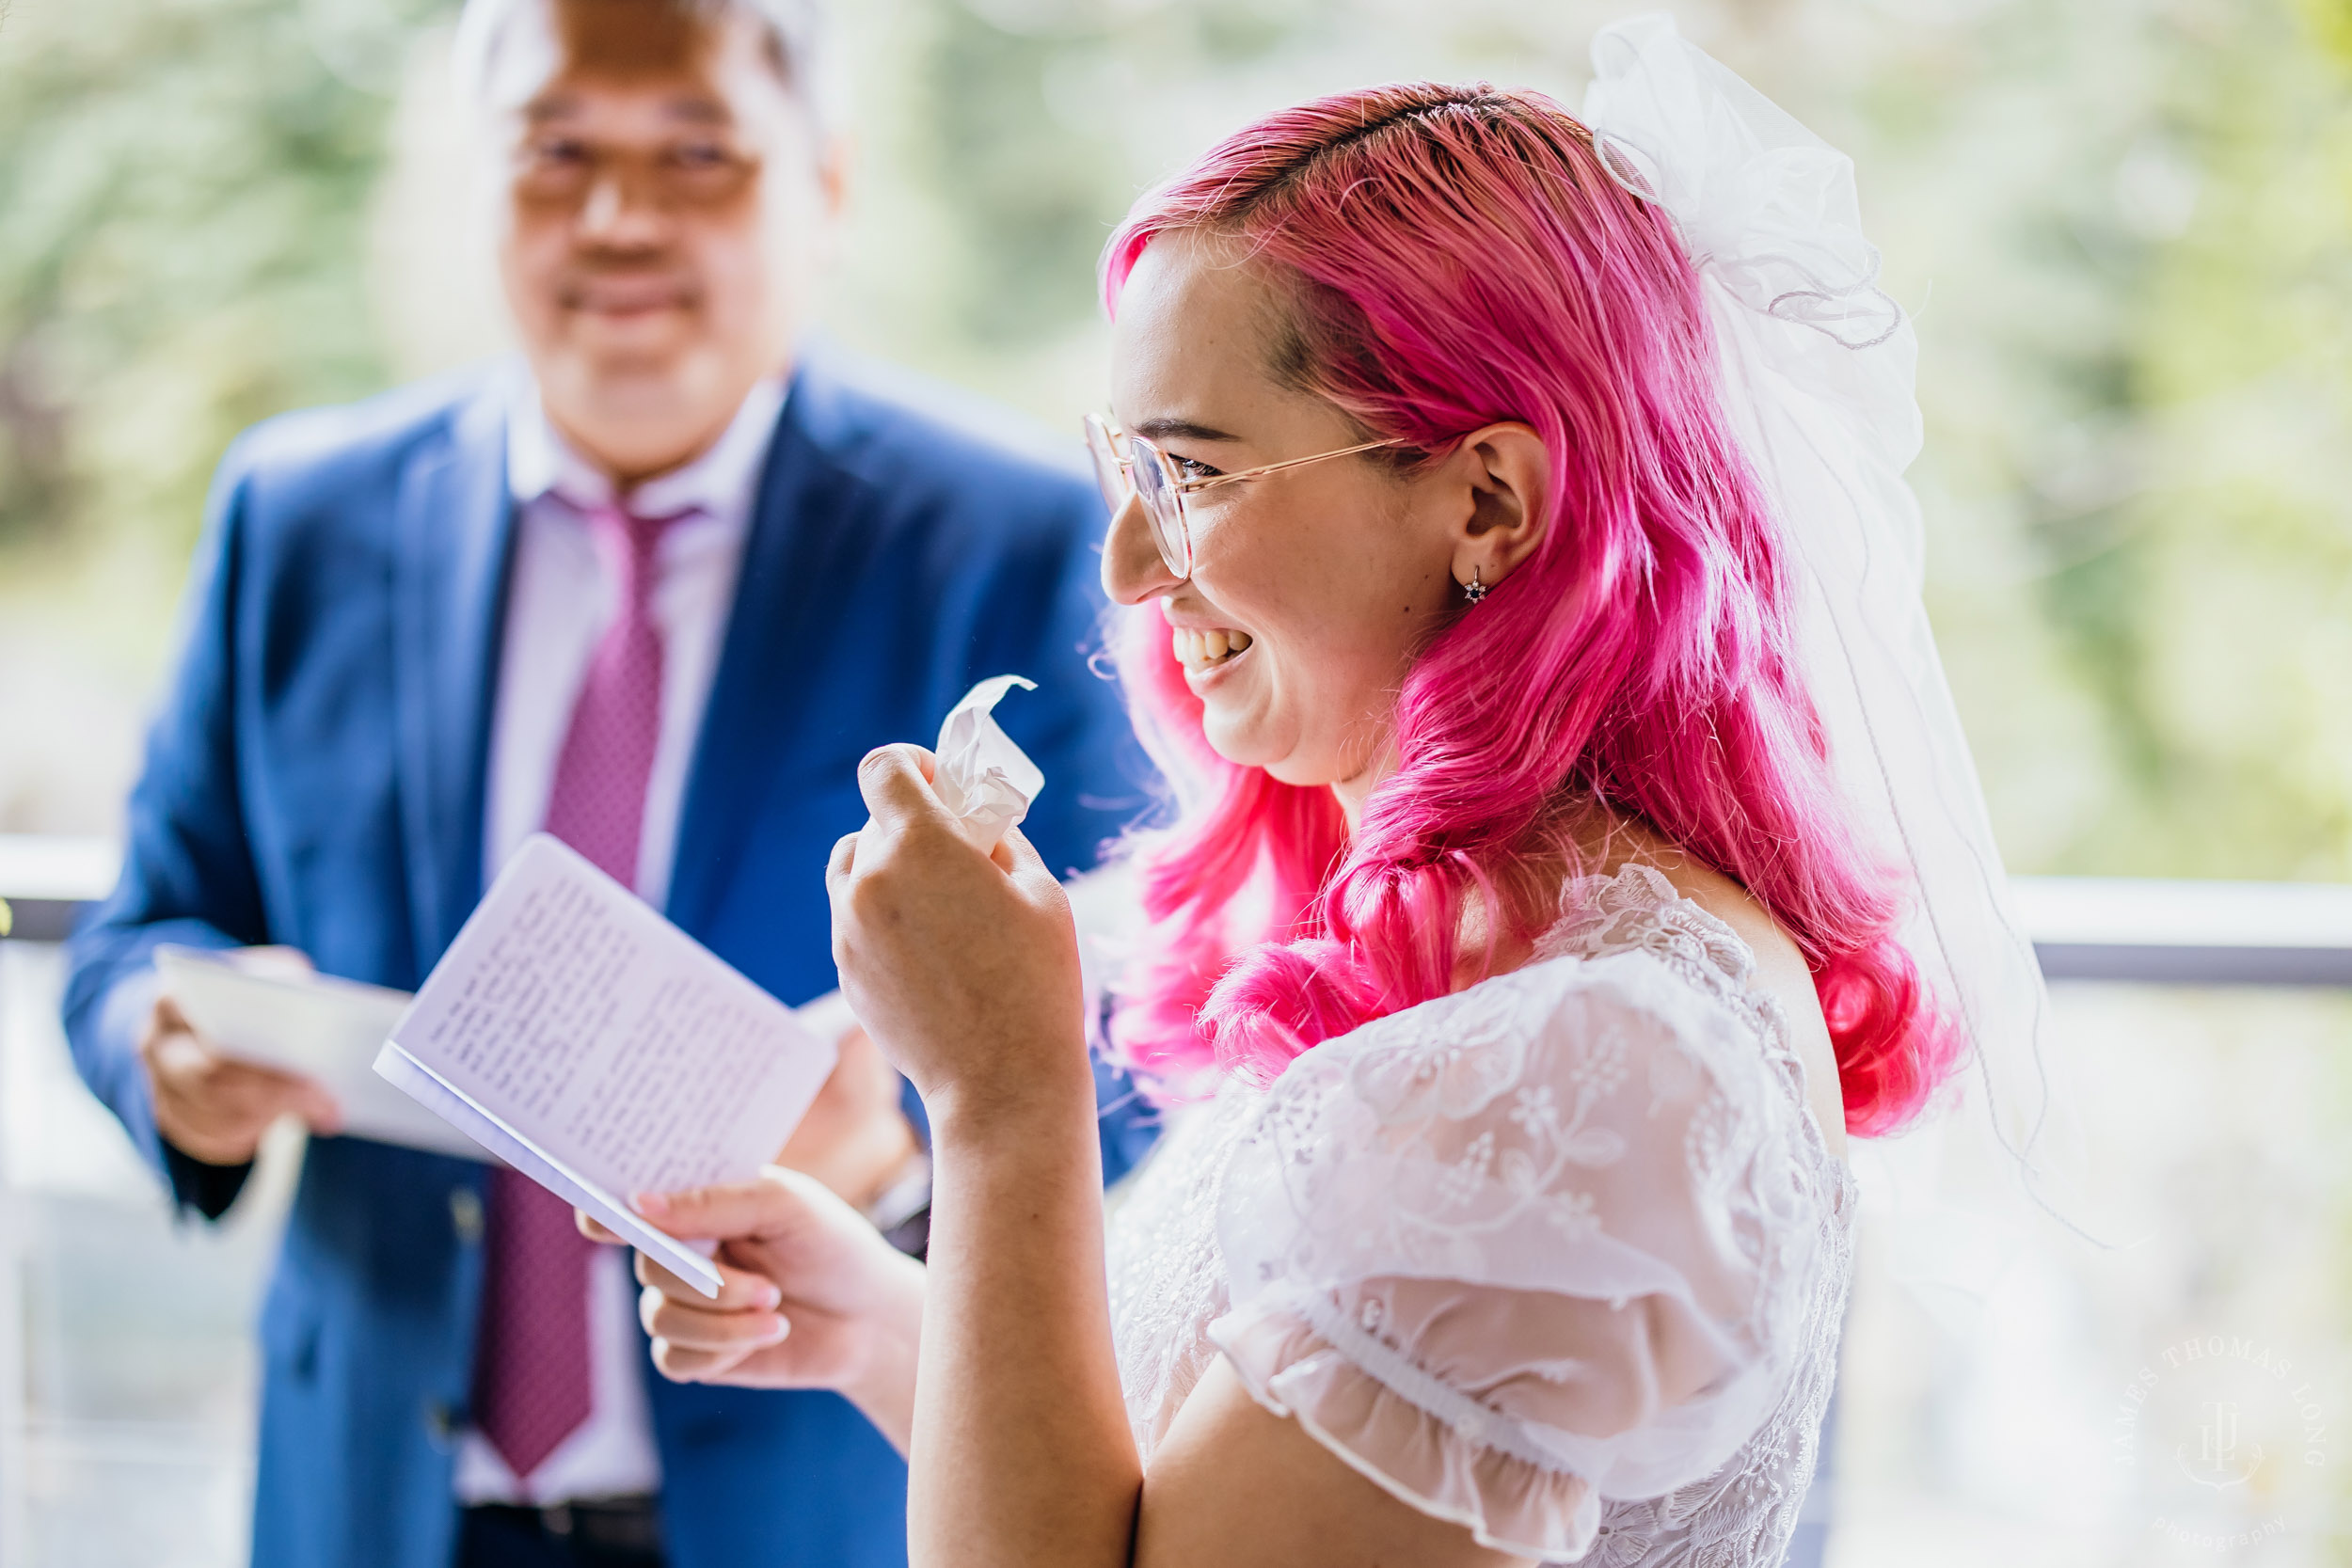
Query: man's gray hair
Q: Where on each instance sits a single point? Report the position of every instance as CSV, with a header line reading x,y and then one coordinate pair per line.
x,y
792,32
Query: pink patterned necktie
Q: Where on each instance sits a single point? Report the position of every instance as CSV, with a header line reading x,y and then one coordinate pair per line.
x,y
532,1359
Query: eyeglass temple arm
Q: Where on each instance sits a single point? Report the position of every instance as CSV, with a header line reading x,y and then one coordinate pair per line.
x,y
1210,481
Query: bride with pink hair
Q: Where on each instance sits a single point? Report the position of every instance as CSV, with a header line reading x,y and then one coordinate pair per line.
x,y
1523,947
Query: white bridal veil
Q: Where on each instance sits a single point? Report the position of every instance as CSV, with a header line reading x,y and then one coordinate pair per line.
x,y
1818,366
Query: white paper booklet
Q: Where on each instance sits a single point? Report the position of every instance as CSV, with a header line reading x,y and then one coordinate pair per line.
x,y
314,1024
597,1048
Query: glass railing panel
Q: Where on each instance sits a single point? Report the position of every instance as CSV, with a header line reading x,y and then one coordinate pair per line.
x,y
2174,1400
128,1404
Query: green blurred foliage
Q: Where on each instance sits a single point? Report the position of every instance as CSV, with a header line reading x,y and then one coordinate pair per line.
x,y
2125,225
2205,587
1026,194
182,185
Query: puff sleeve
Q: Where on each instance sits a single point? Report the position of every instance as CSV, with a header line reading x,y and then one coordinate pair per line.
x,y
1542,1244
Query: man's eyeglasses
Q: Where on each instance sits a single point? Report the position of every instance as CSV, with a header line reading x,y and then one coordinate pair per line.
x,y
1128,465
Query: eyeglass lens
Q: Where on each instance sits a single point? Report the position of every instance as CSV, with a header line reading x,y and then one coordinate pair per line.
x,y
1163,507
1148,475
1109,471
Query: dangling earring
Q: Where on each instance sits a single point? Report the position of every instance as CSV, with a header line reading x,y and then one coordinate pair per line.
x,y
1473,590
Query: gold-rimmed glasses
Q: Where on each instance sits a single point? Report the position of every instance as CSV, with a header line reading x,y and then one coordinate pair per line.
x,y
1144,471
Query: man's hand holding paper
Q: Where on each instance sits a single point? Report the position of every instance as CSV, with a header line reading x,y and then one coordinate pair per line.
x,y
214,1107
265,1013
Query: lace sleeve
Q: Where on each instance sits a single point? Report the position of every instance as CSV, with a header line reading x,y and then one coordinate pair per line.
x,y
1532,1246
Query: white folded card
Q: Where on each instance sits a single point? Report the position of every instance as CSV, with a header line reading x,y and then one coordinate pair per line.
x,y
317,1025
602,1051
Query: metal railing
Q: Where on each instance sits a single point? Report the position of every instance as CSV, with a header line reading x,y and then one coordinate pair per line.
x,y
2180,933
45,881
2190,933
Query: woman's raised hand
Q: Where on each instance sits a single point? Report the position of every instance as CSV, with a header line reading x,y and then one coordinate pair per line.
x,y
963,966
811,1295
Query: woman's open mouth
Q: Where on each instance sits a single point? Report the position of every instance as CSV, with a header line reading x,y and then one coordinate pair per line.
x,y
1202,651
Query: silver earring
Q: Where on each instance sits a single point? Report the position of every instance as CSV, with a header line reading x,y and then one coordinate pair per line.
x,y
1473,590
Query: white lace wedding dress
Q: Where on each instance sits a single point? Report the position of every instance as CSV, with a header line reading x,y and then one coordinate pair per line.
x,y
1561,1256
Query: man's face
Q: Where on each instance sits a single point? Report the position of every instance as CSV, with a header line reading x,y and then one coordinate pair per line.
x,y
666,201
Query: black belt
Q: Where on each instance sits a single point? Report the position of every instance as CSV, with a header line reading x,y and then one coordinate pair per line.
x,y
601,1525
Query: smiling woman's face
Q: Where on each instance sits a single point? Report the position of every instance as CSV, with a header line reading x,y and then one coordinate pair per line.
x,y
1331,577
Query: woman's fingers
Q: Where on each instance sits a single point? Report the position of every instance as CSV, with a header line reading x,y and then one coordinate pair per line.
x,y
1020,861
895,781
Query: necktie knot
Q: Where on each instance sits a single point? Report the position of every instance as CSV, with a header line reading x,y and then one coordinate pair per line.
x,y
629,538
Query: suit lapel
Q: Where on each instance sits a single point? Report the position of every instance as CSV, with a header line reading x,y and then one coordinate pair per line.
x,y
456,529
802,529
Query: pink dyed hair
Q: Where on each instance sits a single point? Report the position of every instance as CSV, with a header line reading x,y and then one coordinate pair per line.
x,y
1454,256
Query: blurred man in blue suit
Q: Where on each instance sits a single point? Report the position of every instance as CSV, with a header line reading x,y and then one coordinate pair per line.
x,y
659,590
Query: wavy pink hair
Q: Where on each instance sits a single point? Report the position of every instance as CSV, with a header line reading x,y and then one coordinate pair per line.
x,y
1454,256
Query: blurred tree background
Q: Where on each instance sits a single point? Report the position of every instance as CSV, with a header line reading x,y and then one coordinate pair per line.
x,y
2125,225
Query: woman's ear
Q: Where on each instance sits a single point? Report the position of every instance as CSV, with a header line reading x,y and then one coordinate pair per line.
x,y
1505,475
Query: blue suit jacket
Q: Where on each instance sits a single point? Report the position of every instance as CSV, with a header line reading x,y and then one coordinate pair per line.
x,y
316,777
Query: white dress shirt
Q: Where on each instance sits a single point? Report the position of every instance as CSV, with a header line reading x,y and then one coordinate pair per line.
x,y
559,601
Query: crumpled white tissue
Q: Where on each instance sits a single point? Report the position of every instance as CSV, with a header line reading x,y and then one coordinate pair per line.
x,y
984,779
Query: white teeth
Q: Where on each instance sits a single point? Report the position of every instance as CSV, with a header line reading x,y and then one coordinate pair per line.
x,y
1199,650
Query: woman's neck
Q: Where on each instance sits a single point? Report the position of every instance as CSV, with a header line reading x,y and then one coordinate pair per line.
x,y
1586,838
1351,793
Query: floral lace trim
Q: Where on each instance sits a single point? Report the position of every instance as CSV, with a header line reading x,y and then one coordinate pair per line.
x,y
1637,909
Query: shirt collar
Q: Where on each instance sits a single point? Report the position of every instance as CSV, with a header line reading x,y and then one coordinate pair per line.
x,y
718,483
